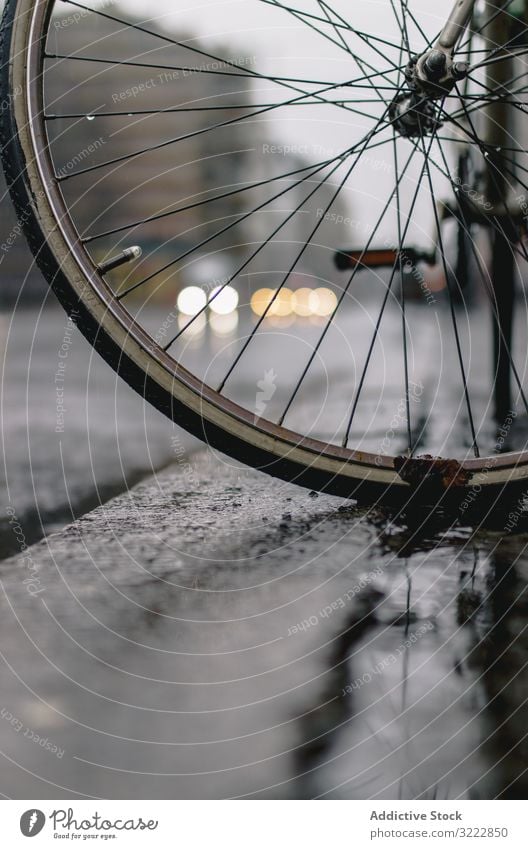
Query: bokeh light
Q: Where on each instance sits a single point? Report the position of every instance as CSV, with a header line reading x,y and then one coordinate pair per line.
x,y
191,300
224,302
282,305
195,328
322,302
301,302
260,300
223,325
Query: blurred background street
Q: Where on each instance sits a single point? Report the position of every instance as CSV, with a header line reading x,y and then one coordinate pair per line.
x,y
215,633
175,625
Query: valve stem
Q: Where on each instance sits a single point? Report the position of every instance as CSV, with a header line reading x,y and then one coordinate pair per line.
x,y
120,259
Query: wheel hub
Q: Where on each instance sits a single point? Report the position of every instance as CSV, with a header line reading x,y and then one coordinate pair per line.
x,y
429,77
435,73
413,116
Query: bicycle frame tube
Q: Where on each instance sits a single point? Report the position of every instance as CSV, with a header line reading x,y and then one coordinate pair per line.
x,y
498,128
455,25
501,201
498,114
435,72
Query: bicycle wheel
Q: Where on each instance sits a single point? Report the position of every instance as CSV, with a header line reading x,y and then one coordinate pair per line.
x,y
207,139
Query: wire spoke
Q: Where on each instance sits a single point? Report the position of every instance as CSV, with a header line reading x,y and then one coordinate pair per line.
x,y
157,217
341,44
471,132
492,96
451,307
249,72
286,277
300,13
372,96
304,18
346,288
357,82
220,232
225,108
485,152
492,60
485,278
492,164
361,63
231,225
188,69
503,8
245,263
334,25
402,26
381,313
407,11
194,134
402,298
490,221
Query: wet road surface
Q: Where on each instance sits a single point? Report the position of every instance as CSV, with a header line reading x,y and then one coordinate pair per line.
x,y
243,638
73,434
214,633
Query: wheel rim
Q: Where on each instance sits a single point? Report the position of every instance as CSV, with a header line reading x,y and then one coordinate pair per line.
x,y
281,441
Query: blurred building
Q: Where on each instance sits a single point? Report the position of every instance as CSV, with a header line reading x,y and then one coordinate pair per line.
x,y
145,105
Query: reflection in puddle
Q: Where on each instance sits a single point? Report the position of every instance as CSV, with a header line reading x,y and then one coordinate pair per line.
x,y
424,696
495,611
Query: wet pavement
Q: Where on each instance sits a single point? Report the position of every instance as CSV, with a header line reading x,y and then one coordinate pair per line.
x,y
73,434
214,633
